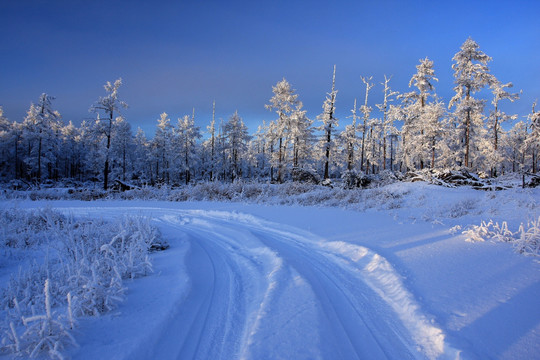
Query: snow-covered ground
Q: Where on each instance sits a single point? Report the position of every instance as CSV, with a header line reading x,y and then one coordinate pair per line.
x,y
397,280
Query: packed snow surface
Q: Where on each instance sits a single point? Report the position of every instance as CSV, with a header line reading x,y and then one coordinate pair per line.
x,y
253,281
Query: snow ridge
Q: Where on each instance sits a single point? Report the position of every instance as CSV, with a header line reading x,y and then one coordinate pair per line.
x,y
379,274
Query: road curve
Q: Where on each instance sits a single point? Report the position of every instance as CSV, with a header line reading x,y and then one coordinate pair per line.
x,y
260,290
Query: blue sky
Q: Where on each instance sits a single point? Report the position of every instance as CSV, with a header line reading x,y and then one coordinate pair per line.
x,y
176,55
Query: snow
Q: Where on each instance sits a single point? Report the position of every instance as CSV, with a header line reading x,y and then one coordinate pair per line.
x,y
254,281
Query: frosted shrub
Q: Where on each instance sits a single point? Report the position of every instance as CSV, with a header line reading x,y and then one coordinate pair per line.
x,y
98,264
128,250
20,228
253,191
528,241
525,241
490,231
33,335
83,271
25,287
296,188
461,208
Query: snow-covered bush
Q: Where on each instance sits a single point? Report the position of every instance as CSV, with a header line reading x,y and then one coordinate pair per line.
x,y
528,241
461,208
350,179
20,228
46,332
489,231
525,241
305,175
82,270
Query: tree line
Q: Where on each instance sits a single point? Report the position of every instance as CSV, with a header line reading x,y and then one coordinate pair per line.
x,y
416,130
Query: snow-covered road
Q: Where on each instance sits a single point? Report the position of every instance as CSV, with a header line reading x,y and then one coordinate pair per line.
x,y
248,281
263,290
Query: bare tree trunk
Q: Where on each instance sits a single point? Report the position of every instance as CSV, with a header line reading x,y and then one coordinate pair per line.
x,y
106,168
467,129
327,151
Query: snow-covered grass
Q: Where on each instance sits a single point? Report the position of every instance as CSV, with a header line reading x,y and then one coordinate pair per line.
x,y
69,268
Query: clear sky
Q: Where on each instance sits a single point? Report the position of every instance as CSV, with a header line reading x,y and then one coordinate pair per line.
x,y
176,55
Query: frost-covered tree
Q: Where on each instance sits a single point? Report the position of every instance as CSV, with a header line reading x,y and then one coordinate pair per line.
x,y
40,136
108,105
301,136
471,75
162,149
349,140
91,148
532,141
258,147
329,124
71,151
496,118
142,164
211,143
387,122
6,149
428,114
122,150
515,146
283,102
237,137
186,135
421,118
366,111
